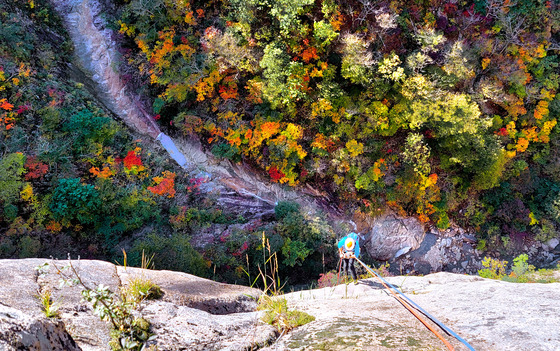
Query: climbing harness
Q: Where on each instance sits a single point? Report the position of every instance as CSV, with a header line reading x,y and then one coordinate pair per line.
x,y
409,304
344,255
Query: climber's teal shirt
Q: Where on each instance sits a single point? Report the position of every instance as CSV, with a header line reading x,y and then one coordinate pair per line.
x,y
356,239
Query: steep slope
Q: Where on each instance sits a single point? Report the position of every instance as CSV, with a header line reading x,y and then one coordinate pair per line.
x,y
96,54
237,186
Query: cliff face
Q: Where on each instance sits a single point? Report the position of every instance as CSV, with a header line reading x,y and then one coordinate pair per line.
x,y
238,186
199,314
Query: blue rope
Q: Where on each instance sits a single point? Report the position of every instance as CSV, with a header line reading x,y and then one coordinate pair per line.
x,y
434,319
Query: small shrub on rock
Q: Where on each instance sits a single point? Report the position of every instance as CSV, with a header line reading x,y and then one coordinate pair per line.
x,y
50,308
140,289
494,269
128,331
277,314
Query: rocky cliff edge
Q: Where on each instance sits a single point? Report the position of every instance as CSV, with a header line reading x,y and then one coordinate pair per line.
x,y
199,314
193,313
490,315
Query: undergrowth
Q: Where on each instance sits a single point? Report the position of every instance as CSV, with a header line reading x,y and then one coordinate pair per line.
x,y
141,288
275,307
521,271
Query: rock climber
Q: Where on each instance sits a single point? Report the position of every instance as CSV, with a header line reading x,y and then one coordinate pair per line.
x,y
349,250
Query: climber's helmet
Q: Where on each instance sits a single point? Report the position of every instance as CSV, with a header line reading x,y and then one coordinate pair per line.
x,y
349,244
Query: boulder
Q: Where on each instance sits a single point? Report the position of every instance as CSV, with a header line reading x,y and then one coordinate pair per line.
x,y
184,328
193,311
402,251
191,291
390,234
20,331
552,243
438,251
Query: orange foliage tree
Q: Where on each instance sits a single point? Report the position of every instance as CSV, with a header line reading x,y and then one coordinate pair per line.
x,y
165,185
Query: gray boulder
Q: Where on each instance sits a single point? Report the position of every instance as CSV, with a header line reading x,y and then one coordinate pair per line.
x,y
552,243
19,331
390,234
184,328
192,312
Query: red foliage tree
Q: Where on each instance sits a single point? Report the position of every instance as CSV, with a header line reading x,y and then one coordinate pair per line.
x,y
275,173
35,168
132,160
165,185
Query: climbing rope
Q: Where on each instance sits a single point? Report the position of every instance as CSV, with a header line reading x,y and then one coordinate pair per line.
x,y
339,268
408,304
408,307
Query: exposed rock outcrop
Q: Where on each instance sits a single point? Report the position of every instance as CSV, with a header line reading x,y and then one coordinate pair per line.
x,y
177,326
409,248
19,331
193,314
451,250
392,236
490,315
187,290
96,54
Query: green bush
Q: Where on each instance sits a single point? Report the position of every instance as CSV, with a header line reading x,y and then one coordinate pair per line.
x,y
74,201
545,231
11,183
494,269
442,221
521,269
278,314
294,252
140,289
173,253
284,208
305,241
7,247
88,130
231,152
29,247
